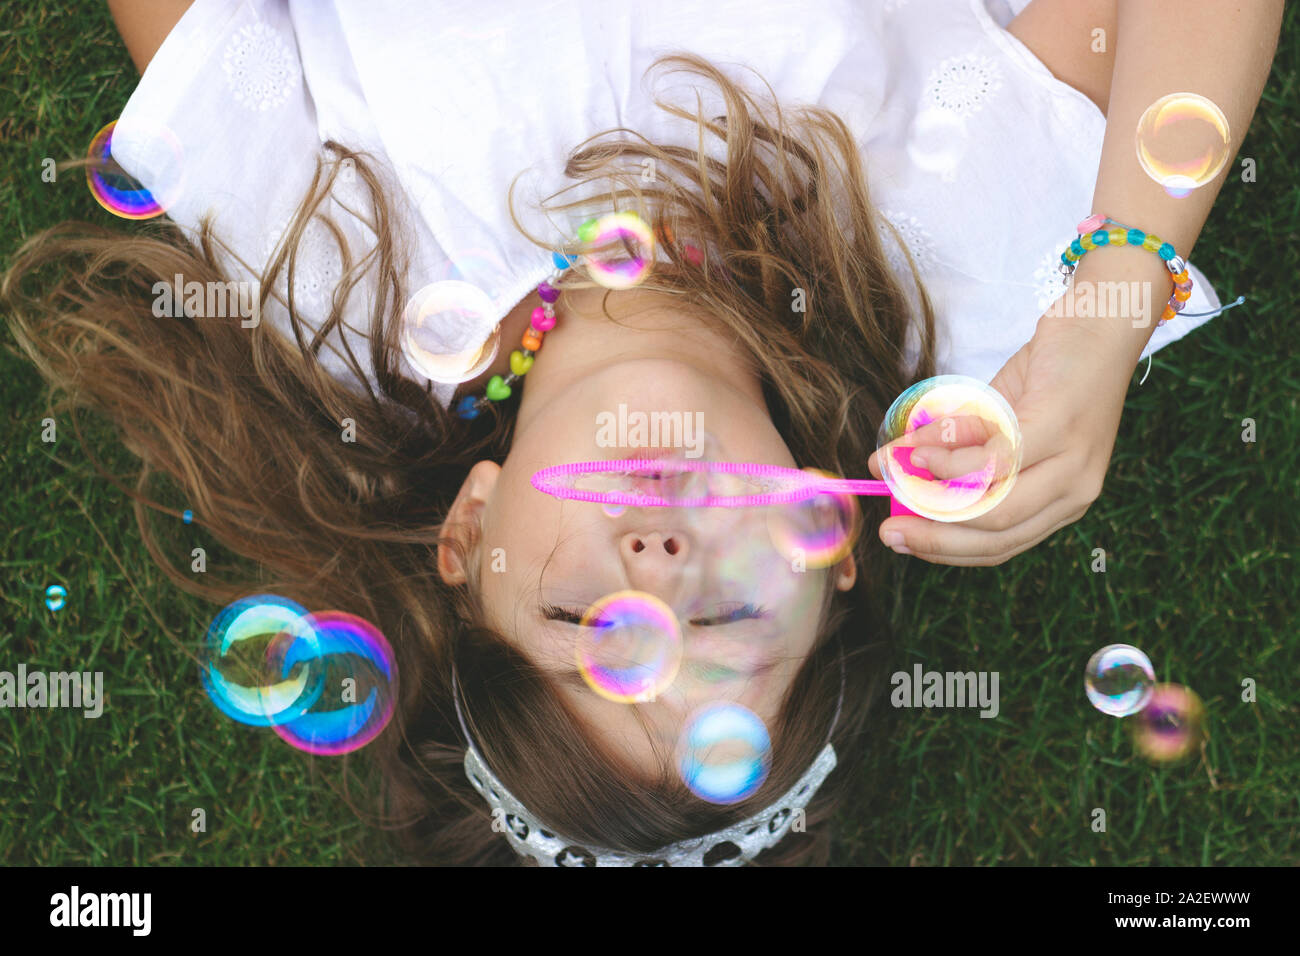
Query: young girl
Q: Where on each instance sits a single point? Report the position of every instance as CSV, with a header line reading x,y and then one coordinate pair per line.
x,y
346,156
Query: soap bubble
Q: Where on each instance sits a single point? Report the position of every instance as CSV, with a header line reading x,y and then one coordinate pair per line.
x,y
949,448
629,647
118,191
1171,726
821,530
56,596
613,511
442,331
619,249
937,142
358,675
1119,679
724,753
1183,142
238,670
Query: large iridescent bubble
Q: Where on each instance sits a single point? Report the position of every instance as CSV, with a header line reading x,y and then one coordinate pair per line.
x,y
1118,680
818,532
441,328
1183,142
358,677
1171,726
629,647
238,671
949,448
724,754
118,191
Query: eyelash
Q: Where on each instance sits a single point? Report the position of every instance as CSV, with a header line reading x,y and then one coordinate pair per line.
x,y
744,612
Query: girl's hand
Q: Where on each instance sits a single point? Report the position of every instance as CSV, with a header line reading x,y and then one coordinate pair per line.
x,y
1067,387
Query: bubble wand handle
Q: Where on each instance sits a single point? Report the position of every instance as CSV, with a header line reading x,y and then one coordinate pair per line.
x,y
853,486
861,486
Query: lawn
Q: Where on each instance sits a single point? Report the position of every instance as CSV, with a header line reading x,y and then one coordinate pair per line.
x,y
1195,523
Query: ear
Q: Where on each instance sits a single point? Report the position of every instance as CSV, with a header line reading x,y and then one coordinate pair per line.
x,y
846,573
464,524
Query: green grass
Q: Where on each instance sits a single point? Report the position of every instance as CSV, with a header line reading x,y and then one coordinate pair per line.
x,y
1199,528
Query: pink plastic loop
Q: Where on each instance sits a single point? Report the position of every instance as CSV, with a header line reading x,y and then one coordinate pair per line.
x,y
1091,224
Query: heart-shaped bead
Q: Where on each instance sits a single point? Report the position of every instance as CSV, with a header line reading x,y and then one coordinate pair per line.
x,y
532,340
497,390
541,321
520,363
466,409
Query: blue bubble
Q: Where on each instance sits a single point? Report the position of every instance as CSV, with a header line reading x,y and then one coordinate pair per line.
x,y
56,596
357,659
724,754
241,672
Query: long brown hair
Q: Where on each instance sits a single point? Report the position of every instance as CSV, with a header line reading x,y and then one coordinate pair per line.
x,y
247,422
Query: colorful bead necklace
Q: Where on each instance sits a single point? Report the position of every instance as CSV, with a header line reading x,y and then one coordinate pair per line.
x,y
543,317
521,360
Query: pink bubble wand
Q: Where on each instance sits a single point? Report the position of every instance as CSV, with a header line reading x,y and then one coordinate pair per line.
x,y
778,485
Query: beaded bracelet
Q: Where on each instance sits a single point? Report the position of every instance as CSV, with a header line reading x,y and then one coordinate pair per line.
x,y
1092,233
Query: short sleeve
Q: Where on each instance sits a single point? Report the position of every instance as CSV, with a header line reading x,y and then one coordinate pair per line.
x,y
224,121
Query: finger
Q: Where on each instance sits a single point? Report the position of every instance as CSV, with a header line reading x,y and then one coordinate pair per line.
x,y
934,538
990,462
1034,491
954,430
996,550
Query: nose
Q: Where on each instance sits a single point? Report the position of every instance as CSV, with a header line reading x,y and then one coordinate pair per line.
x,y
654,560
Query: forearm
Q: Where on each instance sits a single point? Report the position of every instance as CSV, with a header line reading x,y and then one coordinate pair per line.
x,y
1218,49
144,24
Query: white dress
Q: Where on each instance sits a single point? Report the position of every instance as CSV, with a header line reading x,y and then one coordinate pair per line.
x,y
982,160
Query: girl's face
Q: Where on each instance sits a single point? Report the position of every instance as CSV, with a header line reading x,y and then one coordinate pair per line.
x,y
747,605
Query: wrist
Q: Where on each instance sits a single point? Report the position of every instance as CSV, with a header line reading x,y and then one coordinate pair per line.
x,y
1119,294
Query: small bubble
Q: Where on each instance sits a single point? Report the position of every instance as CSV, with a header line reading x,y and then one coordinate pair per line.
x,y
1183,142
724,754
1171,726
1119,679
821,530
630,647
56,596
442,327
622,252
120,193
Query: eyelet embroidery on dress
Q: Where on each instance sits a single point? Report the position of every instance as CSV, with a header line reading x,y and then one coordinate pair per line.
x,y
318,268
1047,279
261,69
915,236
963,83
